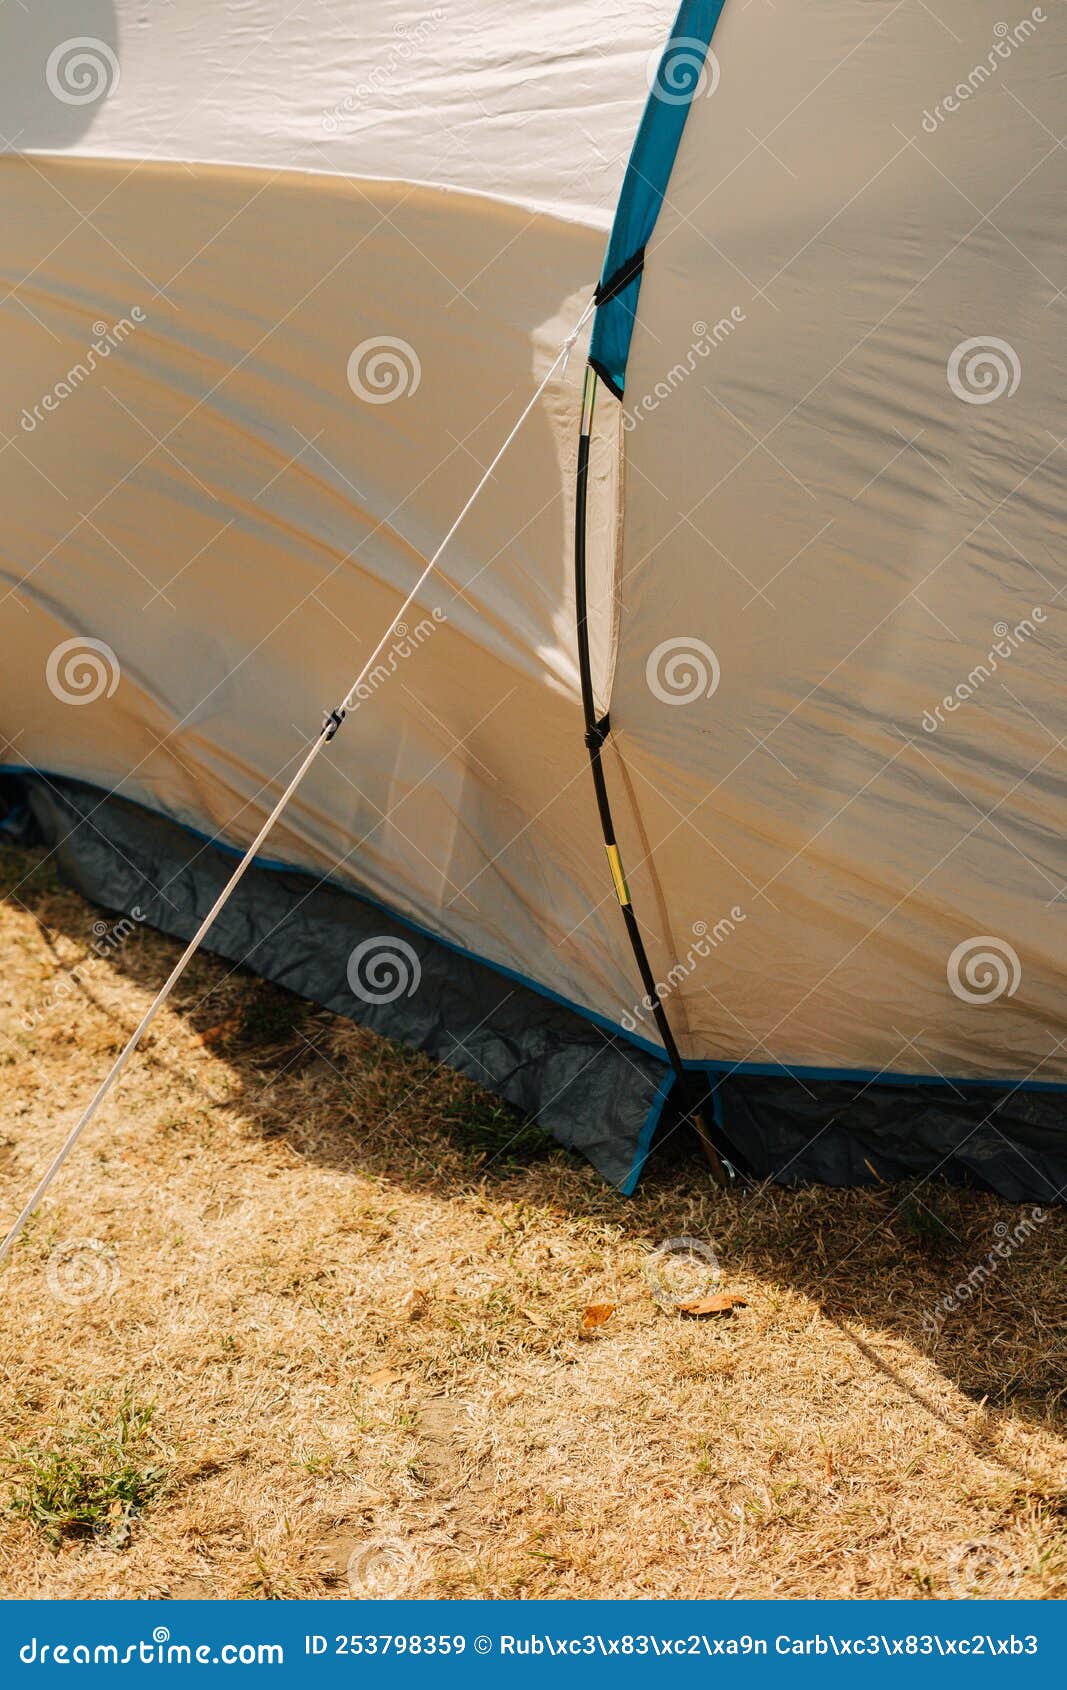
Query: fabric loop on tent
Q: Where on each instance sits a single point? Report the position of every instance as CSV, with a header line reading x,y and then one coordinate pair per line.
x,y
679,77
621,278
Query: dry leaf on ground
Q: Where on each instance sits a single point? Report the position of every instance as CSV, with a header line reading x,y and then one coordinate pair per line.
x,y
724,1302
595,1315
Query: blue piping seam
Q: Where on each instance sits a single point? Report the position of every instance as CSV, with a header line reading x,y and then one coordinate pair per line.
x,y
869,1076
648,1133
273,866
679,77
712,1066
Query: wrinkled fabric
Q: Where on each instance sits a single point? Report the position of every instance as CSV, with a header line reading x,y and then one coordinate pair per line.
x,y
275,289
583,1084
256,359
844,506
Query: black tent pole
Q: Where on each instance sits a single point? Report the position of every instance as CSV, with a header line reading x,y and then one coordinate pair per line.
x,y
693,1092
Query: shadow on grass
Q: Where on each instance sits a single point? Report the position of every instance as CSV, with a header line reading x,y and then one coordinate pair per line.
x,y
974,1283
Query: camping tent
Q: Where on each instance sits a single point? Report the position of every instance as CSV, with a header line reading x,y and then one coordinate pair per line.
x,y
277,284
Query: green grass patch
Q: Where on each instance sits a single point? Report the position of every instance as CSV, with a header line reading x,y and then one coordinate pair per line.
x,y
92,1480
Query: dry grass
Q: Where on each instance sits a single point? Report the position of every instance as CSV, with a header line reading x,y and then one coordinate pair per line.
x,y
328,1319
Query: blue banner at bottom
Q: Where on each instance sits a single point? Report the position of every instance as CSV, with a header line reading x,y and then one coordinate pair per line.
x,y
437,1645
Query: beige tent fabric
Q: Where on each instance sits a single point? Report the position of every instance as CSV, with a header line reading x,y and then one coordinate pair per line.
x,y
275,287
216,505
845,505
247,395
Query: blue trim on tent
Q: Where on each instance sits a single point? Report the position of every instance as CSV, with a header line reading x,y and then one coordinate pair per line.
x,y
725,1068
780,1071
710,1065
679,77
648,1133
868,1076
274,866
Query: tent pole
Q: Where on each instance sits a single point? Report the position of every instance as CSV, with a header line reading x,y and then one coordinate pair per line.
x,y
693,1093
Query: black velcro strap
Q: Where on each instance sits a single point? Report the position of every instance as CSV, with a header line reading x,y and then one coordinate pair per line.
x,y
621,278
597,733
